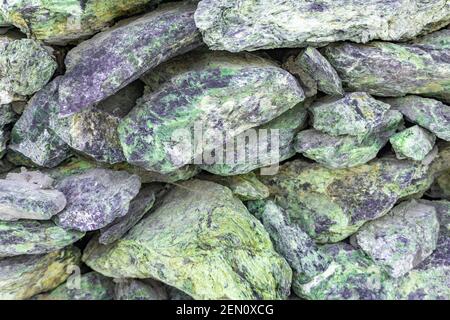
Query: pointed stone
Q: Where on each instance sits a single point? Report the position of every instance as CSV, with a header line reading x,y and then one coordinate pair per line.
x,y
414,143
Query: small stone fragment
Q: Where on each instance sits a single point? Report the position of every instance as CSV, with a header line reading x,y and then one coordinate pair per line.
x,y
90,286
427,113
34,237
24,276
414,143
245,25
307,82
402,239
131,289
96,198
201,240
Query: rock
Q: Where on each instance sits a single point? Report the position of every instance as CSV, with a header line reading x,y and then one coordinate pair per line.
x,y
91,286
414,143
212,96
22,277
245,186
131,289
7,116
436,40
139,206
356,114
25,67
123,101
24,197
307,82
274,143
441,187
175,294
253,25
33,237
428,113
202,241
347,151
330,205
62,22
351,276
318,68
96,198
418,69
402,239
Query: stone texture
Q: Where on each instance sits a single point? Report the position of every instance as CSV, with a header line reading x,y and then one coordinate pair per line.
x,y
218,94
90,286
347,151
131,289
414,143
25,67
59,22
306,81
240,25
7,116
221,250
22,277
392,70
427,113
331,204
96,198
402,239
33,237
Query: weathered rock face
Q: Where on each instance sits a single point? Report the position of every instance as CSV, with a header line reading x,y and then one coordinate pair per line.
x,y
402,239
347,151
131,289
414,143
25,67
23,198
22,277
33,237
428,113
221,251
58,22
90,286
240,25
217,96
7,116
330,204
96,198
418,69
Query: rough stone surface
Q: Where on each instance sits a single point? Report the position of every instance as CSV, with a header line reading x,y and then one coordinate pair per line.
x,y
392,70
33,237
306,81
402,239
240,25
220,94
427,113
96,198
331,204
90,286
59,22
221,250
25,67
22,277
414,143
131,289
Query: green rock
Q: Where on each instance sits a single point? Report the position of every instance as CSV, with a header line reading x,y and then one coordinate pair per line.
x,y
414,143
318,68
418,69
427,113
25,67
307,82
436,40
33,237
274,143
239,25
402,239
59,22
91,286
207,98
347,151
330,205
22,277
202,241
356,114
245,186
131,289
96,198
